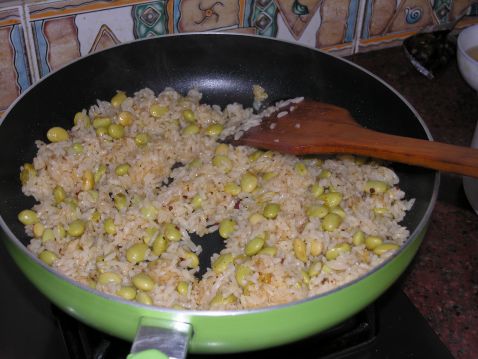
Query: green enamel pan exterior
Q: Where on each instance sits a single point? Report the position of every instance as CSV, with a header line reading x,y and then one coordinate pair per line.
x,y
224,67
217,332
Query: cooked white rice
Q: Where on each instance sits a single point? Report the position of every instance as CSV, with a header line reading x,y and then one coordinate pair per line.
x,y
271,278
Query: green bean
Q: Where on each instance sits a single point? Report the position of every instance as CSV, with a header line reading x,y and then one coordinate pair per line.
x,y
182,288
149,212
59,194
88,180
315,269
316,190
232,188
331,199
141,139
316,247
109,226
191,129
101,122
192,258
334,252
222,162
300,168
47,235
81,118
38,229
189,115
324,174
196,201
269,251
120,201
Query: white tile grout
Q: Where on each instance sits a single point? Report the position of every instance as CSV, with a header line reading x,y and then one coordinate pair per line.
x,y
30,44
358,26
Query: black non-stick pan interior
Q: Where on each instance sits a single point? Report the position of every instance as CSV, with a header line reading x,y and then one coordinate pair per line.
x,y
223,67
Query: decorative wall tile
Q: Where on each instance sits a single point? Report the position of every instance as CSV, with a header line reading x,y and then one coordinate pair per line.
x,y
196,16
388,22
15,75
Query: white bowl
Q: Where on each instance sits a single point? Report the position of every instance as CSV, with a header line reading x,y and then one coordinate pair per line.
x,y
468,66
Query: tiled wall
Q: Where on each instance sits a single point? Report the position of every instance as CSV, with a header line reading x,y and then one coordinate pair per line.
x,y
37,37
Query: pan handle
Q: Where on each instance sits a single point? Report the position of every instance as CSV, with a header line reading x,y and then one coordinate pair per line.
x,y
161,339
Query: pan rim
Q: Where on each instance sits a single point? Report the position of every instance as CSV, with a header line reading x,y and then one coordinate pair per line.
x,y
221,313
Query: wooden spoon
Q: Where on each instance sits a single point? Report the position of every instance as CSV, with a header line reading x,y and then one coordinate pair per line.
x,y
314,127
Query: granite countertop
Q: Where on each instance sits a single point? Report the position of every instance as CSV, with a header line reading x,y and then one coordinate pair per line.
x,y
442,281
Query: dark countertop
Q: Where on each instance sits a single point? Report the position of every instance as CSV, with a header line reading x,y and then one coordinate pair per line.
x,y
442,282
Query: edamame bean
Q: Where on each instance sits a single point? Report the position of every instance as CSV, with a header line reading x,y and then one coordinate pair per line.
x,y
182,288
248,182
136,253
118,99
300,169
57,134
254,156
316,190
190,130
214,130
27,216
125,118
38,229
109,277
128,293
268,176
226,228
324,174
372,242
300,249
47,257
77,148
109,226
171,233
160,245
256,218
101,122
221,150
47,235
315,269
332,199
316,247
189,115
384,248
334,252
144,298
375,187
331,222
358,238
120,201
222,262
149,212
268,251
122,169
88,180
141,139
232,188
143,282
271,210
242,272
192,259
196,201
222,162
28,171
99,173
76,228
157,110
254,245
316,211
116,131
81,118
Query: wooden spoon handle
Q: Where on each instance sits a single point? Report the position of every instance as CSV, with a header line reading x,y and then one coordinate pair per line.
x,y
430,154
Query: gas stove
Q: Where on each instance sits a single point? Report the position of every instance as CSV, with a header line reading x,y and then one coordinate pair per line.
x,y
31,327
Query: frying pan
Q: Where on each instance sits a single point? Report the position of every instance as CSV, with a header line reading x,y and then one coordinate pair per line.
x,y
223,67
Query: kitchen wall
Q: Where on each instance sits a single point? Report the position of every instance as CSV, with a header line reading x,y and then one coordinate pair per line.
x,y
37,37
